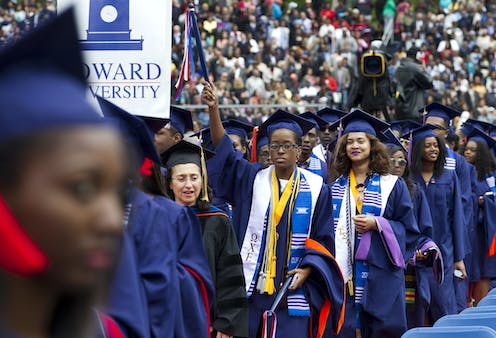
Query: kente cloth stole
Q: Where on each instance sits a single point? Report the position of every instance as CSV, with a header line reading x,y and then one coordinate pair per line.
x,y
257,247
450,160
490,180
372,205
315,165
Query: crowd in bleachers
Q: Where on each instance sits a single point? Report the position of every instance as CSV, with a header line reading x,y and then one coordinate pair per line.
x,y
19,17
281,52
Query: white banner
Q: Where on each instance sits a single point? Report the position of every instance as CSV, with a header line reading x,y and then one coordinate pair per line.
x,y
127,51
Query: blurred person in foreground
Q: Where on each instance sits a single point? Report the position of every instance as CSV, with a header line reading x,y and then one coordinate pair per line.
x,y
62,184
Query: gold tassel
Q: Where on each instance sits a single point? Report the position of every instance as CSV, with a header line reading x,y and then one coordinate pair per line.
x,y
204,176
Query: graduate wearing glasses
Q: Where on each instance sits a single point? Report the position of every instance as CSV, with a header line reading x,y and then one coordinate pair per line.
x,y
284,228
375,230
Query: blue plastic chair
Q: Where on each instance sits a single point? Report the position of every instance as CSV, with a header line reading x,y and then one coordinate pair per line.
x,y
492,292
450,332
469,319
488,300
480,309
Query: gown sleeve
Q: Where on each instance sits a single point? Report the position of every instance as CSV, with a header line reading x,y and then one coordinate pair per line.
x,y
230,308
196,288
461,245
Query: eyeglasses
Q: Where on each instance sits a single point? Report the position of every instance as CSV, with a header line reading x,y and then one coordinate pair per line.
x,y
182,179
285,146
401,162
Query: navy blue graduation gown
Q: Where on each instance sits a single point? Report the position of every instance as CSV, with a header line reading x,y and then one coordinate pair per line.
x,y
195,285
127,300
484,266
233,179
383,304
449,233
169,251
422,269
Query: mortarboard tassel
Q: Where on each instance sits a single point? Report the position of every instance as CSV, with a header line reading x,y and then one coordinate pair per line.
x,y
19,254
410,147
424,116
146,167
204,176
254,145
340,133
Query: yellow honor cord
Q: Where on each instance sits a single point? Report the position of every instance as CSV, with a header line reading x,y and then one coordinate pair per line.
x,y
354,191
204,176
277,210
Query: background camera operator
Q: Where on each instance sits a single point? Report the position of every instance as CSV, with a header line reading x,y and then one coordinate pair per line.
x,y
412,82
372,92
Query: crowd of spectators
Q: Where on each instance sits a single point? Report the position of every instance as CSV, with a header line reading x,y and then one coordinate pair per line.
x,y
282,52
308,52
18,17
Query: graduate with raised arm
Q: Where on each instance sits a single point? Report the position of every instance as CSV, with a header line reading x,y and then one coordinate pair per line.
x,y
285,229
173,271
442,189
375,230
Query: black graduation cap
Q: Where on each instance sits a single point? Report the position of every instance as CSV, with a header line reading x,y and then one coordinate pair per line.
x,y
404,126
239,128
318,121
330,115
282,119
360,121
184,152
439,110
134,129
478,135
389,139
41,81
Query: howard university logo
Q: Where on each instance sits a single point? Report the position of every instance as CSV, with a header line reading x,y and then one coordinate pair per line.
x,y
108,27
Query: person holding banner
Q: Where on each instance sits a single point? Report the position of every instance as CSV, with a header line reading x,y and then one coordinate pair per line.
x,y
285,228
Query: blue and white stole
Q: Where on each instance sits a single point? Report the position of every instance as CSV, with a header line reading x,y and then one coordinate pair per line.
x,y
490,180
252,249
315,165
376,194
450,159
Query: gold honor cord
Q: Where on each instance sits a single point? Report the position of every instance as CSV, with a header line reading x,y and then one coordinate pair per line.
x,y
279,205
204,176
355,192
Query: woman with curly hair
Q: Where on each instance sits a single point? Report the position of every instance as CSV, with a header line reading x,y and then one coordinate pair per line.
x,y
441,186
186,184
372,214
477,152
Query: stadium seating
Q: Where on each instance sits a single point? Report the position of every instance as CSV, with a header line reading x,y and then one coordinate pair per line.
x,y
480,309
488,300
469,319
450,332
